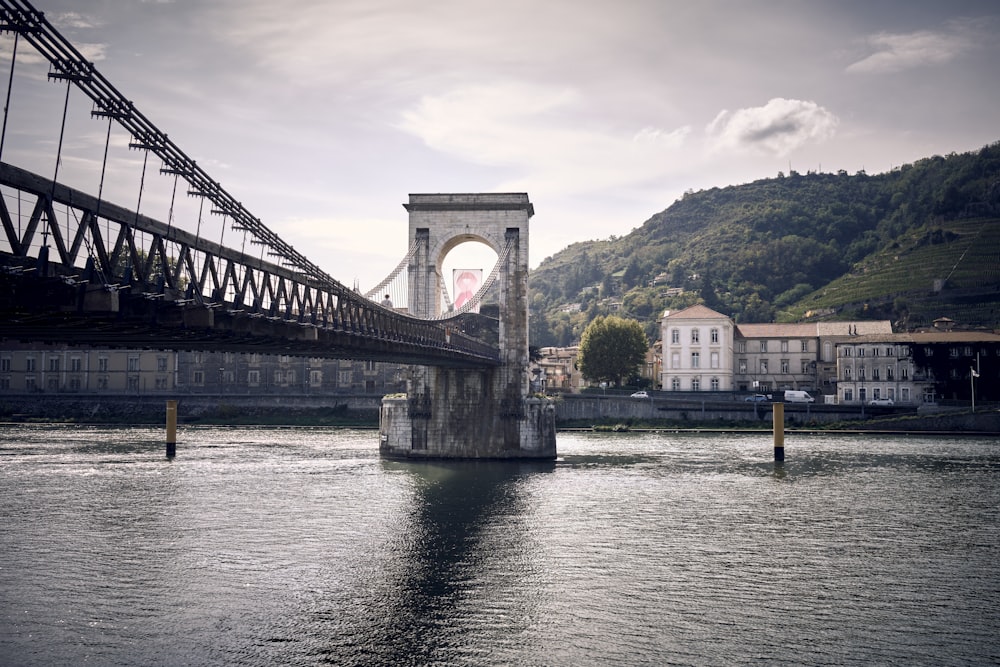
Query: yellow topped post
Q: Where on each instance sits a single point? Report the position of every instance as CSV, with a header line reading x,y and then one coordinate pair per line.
x,y
778,414
171,429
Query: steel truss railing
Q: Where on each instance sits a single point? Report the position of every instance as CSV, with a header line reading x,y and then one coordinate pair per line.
x,y
117,250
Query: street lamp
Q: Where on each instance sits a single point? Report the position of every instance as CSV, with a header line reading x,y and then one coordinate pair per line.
x,y
973,374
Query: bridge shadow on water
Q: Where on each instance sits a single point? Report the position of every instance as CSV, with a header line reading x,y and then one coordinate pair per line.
x,y
435,573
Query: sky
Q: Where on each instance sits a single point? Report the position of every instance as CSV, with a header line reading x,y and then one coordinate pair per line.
x,y
322,116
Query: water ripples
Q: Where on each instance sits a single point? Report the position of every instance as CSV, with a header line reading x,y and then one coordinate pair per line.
x,y
301,546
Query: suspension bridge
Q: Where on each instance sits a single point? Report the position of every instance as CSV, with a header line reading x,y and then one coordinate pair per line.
x,y
76,268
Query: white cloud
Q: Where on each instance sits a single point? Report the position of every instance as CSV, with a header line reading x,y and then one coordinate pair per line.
x,y
898,52
69,20
539,134
777,128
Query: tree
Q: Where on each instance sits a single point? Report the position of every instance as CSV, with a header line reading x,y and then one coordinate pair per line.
x,y
611,348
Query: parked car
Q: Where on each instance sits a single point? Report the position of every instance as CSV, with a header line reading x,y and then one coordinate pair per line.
x,y
642,393
881,401
756,398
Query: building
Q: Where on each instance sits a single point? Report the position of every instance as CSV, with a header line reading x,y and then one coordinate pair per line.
x,y
57,369
915,368
697,349
38,368
555,370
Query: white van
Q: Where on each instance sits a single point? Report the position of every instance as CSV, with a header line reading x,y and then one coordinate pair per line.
x,y
795,396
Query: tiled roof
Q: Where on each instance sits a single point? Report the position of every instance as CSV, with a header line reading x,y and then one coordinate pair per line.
x,y
776,330
695,312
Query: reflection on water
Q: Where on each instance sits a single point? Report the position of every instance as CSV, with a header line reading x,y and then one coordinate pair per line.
x,y
301,546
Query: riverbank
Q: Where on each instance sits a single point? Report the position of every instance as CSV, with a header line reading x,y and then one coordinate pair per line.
x,y
607,414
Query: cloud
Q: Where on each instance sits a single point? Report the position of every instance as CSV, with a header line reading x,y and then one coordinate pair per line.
x,y
541,135
777,128
899,52
69,20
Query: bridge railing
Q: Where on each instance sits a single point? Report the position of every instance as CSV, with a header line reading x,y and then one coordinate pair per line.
x,y
66,235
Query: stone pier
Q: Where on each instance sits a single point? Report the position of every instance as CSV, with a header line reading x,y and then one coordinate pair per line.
x,y
481,413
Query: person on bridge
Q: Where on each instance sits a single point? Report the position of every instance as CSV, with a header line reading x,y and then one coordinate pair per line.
x,y
387,302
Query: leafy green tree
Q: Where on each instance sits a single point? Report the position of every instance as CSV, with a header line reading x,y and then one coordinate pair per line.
x,y
612,348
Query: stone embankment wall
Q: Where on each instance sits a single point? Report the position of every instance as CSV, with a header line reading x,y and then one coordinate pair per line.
x,y
152,409
576,407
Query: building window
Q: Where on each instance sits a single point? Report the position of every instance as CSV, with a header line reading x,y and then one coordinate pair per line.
x,y
675,384
675,336
714,360
890,352
784,366
161,364
344,378
743,366
876,393
76,364
102,364
54,364
253,378
805,346
694,336
904,394
714,335
74,383
874,351
862,394
784,346
847,372
675,359
805,366
861,372
888,372
277,377
695,360
875,374
741,346
133,383
4,382
133,364
315,378
861,351
198,377
763,346
715,384
29,365
763,366
695,384
904,372
5,365
848,395
102,382
29,384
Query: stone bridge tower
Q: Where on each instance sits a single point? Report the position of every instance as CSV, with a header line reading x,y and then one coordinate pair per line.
x,y
481,412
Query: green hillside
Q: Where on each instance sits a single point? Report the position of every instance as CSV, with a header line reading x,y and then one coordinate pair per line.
x,y
911,245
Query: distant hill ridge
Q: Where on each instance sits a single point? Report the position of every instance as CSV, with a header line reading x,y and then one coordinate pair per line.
x,y
910,245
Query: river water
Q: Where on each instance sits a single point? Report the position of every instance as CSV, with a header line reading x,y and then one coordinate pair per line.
x,y
264,546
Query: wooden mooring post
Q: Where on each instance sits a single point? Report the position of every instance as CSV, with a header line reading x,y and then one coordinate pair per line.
x,y
778,416
171,429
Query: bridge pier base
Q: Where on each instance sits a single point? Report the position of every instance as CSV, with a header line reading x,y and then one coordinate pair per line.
x,y
456,414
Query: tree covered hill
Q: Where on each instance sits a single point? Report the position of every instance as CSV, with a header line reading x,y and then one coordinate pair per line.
x,y
916,243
